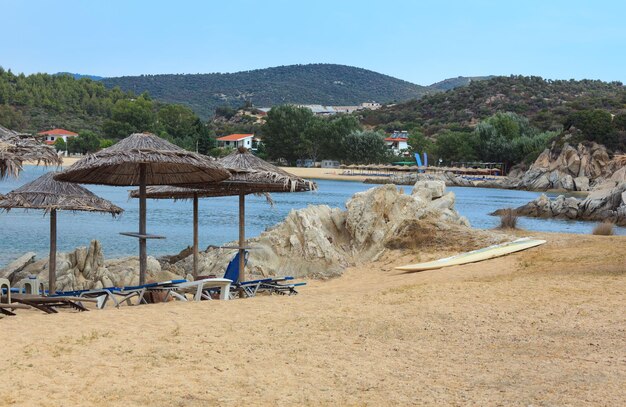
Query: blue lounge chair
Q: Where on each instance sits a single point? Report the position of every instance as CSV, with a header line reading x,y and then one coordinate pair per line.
x,y
251,287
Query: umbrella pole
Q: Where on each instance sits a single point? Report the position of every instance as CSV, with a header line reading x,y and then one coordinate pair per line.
x,y
143,255
52,260
195,235
242,240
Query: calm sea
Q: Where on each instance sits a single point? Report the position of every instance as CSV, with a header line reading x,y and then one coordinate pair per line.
x,y
22,231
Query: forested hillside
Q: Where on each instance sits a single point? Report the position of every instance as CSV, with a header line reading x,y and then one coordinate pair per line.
x,y
327,84
40,102
546,103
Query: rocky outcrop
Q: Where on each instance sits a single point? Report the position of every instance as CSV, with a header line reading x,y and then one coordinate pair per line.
x,y
85,268
600,205
320,242
582,168
17,265
449,179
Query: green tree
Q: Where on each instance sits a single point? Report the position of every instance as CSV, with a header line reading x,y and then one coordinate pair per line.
x,y
60,144
419,143
365,147
11,118
499,137
86,142
595,125
179,121
285,132
323,135
130,116
455,146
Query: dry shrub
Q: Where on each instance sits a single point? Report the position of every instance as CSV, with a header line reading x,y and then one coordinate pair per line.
x,y
411,234
603,229
508,219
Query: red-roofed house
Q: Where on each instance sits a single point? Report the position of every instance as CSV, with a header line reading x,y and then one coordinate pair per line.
x,y
53,135
398,142
237,140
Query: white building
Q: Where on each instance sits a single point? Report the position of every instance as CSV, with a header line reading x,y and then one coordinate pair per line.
x,y
398,141
238,140
51,136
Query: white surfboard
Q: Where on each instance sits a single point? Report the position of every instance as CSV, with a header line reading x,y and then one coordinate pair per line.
x,y
476,255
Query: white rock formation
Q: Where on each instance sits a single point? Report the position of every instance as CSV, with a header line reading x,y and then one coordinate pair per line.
x,y
320,242
85,268
574,169
603,204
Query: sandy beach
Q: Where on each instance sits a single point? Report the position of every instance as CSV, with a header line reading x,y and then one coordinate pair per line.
x,y
541,327
312,173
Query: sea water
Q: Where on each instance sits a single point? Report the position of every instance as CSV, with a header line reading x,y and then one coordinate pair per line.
x,y
22,231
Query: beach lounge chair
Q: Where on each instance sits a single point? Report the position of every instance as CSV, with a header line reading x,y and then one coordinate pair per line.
x,y
252,287
276,287
114,294
140,291
49,305
200,289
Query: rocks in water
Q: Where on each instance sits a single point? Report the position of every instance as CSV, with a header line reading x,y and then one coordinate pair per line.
x,y
320,242
573,169
449,179
601,205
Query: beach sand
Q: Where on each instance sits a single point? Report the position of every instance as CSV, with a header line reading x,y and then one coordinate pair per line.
x,y
312,173
545,326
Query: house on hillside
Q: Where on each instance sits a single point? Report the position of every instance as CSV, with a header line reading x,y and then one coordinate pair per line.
x,y
398,142
320,110
51,136
238,140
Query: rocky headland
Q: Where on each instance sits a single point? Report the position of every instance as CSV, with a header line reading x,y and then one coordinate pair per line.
x,y
586,167
607,204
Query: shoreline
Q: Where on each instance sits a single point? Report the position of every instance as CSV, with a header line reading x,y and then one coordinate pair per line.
x,y
334,174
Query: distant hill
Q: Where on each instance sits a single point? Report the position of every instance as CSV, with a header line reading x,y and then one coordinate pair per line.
x,y
81,76
451,83
326,84
546,103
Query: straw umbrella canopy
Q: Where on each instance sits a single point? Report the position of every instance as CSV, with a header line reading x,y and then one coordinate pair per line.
x,y
51,196
139,160
250,175
15,148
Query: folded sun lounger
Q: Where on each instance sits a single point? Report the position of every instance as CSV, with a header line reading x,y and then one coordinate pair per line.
x,y
49,305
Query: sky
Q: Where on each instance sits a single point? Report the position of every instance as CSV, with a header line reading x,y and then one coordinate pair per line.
x,y
419,41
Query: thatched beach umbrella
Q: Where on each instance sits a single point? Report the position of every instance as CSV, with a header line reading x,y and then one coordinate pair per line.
x,y
51,196
250,175
15,148
139,160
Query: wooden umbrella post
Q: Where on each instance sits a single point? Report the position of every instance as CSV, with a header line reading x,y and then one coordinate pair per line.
x,y
52,260
242,240
143,255
195,235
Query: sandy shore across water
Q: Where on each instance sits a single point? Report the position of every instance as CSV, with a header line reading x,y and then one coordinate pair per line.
x,y
312,173
540,327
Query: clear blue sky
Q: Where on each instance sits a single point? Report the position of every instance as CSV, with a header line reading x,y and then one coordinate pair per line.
x,y
419,41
